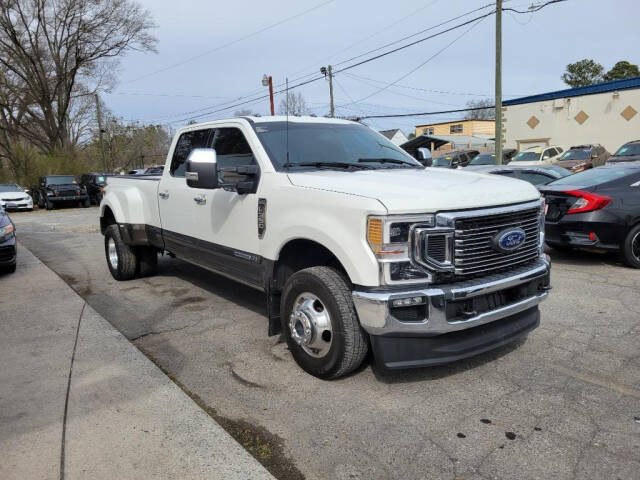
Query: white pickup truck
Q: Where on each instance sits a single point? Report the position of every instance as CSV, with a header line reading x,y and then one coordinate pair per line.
x,y
354,242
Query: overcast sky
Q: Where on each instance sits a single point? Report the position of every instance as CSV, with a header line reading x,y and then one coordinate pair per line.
x,y
537,47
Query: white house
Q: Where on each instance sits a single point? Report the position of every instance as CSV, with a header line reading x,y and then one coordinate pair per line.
x,y
396,136
606,113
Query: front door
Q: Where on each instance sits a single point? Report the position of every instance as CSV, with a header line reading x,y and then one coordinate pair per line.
x,y
216,229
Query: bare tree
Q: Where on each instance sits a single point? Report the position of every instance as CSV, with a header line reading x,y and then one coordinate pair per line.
x,y
245,112
294,104
487,112
50,52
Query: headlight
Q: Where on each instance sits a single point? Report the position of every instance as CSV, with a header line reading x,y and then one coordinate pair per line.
x,y
6,232
50,194
389,240
578,167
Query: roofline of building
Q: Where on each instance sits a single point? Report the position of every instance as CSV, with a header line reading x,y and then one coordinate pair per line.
x,y
453,121
615,85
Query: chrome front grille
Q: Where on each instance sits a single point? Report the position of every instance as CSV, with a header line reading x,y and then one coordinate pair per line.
x,y
474,250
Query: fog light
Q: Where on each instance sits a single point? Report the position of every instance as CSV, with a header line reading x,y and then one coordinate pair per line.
x,y
408,301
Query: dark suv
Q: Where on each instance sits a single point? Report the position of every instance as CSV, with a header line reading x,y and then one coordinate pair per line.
x,y
629,152
583,157
461,158
54,190
94,183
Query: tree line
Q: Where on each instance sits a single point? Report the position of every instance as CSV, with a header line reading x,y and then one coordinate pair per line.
x,y
54,56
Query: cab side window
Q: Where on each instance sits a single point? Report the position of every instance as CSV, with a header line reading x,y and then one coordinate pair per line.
x,y
187,142
232,150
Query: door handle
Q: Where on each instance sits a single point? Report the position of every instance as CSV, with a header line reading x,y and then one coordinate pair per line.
x,y
200,199
164,195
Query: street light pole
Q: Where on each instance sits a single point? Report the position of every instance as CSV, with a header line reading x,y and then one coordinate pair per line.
x,y
328,71
498,79
268,81
100,131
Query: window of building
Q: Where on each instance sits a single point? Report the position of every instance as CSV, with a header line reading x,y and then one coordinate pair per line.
x,y
456,128
187,142
428,131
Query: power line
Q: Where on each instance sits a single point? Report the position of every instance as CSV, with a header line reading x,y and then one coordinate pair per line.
x,y
413,70
362,62
304,77
233,42
426,114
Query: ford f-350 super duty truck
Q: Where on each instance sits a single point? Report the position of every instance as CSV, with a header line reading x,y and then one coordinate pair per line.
x,y
355,243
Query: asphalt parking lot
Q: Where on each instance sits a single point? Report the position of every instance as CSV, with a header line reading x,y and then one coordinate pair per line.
x,y
564,403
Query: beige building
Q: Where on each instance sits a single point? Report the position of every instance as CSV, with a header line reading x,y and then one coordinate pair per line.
x,y
461,127
607,113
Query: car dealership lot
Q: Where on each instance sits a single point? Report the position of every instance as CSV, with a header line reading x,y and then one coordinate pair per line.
x,y
564,403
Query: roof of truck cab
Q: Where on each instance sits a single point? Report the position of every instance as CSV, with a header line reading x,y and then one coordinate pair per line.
x,y
275,118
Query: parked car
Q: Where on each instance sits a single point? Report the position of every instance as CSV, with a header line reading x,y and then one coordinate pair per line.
x,y
55,190
156,170
456,159
8,249
538,156
629,152
535,175
583,157
489,158
349,236
14,197
598,208
94,183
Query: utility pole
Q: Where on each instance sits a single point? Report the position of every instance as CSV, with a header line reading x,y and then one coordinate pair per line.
x,y
100,131
329,71
268,81
498,95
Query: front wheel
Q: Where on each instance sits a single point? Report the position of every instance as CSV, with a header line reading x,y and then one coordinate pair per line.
x,y
320,323
631,248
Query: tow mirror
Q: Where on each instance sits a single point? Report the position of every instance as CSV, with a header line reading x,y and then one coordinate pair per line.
x,y
202,168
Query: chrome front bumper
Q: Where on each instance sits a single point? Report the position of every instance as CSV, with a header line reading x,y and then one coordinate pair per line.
x,y
377,319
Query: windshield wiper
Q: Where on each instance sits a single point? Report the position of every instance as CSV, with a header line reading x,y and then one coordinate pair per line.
x,y
386,160
345,165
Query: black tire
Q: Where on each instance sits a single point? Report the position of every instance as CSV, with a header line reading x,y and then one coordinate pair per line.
x,y
147,261
630,250
40,201
9,269
86,203
348,342
49,205
126,266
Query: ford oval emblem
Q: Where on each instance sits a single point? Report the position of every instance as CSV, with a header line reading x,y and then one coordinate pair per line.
x,y
509,239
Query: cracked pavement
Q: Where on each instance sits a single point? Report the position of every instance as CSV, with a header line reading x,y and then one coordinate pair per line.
x,y
560,404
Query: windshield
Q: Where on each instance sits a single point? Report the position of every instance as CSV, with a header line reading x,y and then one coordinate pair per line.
x,y
527,156
333,143
594,176
11,187
63,180
577,154
100,179
484,159
628,150
442,161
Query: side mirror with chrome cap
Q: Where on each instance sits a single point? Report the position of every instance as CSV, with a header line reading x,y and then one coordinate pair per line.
x,y
202,169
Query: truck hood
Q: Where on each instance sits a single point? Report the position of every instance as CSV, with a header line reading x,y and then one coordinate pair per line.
x,y
421,191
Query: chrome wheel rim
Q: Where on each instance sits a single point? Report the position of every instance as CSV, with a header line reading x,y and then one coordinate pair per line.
x,y
112,253
310,325
635,246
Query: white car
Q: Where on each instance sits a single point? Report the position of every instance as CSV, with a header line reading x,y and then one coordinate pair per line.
x,y
14,197
354,242
536,156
